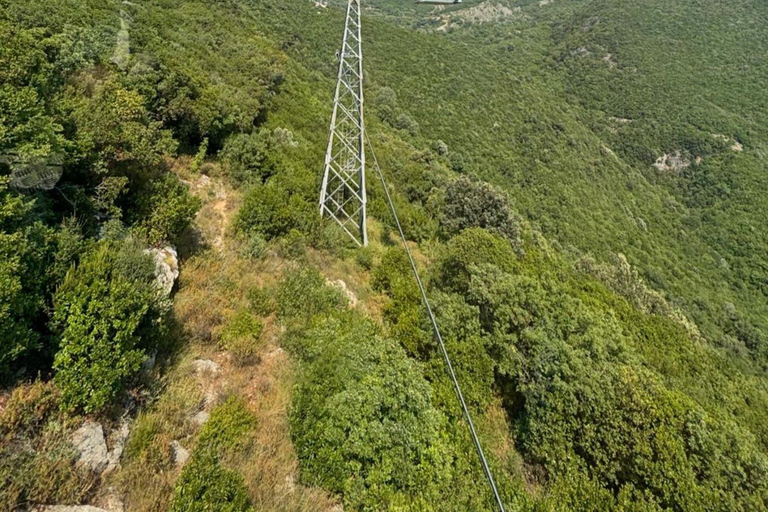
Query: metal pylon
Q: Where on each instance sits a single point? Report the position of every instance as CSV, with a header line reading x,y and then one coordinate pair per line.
x,y
342,196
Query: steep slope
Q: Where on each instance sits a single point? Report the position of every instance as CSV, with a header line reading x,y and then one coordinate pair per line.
x,y
598,381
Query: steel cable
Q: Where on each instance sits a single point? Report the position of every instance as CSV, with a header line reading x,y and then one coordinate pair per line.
x,y
438,337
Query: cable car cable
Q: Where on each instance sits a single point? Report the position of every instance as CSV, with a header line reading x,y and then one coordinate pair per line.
x,y
438,337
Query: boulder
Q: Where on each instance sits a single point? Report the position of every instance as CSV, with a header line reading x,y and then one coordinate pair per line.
x,y
117,439
206,366
90,443
179,453
200,418
166,268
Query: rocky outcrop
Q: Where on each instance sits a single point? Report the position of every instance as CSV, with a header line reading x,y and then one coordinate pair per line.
x,y
166,268
89,441
342,286
205,366
91,444
671,162
179,453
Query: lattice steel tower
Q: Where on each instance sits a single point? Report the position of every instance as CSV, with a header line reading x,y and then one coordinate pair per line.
x,y
343,192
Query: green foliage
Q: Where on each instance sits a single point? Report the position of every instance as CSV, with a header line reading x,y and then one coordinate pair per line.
x,y
241,336
113,123
165,209
470,204
248,157
205,486
104,315
303,294
202,151
272,210
25,250
227,427
362,419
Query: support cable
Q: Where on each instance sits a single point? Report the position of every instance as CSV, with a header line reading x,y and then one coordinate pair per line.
x,y
438,337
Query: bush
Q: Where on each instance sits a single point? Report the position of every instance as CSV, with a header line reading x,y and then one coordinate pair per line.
x,y
407,123
261,301
472,247
205,486
476,204
303,294
362,418
25,250
104,316
253,246
271,210
241,337
247,157
165,209
227,428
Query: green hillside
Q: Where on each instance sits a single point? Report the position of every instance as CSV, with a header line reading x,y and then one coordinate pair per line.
x,y
583,183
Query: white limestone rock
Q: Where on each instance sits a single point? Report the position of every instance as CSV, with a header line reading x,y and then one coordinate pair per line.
x,y
89,441
166,268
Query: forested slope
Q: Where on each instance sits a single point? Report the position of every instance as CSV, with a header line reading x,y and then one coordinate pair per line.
x,y
605,308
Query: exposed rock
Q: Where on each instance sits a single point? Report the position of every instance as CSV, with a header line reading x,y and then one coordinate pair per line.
x,y
90,443
581,51
166,268
671,162
117,439
485,12
609,59
179,453
200,418
290,484
206,366
735,146
542,3
111,500
341,285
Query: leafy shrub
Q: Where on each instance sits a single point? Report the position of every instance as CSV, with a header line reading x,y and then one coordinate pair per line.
x,y
165,209
303,294
364,257
271,210
407,123
241,337
476,204
104,315
261,301
227,427
472,247
253,246
362,418
25,247
294,245
247,157
114,124
205,486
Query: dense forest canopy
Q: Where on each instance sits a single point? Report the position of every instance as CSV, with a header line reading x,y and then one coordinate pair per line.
x,y
583,183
